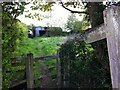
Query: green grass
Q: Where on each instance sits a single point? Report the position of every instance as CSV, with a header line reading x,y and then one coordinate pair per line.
x,y
39,46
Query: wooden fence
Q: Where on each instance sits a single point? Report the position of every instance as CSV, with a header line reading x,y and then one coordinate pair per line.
x,y
111,31
29,67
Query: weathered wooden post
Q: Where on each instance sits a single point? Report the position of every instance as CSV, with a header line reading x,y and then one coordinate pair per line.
x,y
58,72
112,27
29,71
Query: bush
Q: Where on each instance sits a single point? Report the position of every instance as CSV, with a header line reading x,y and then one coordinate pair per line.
x,y
80,67
13,34
55,31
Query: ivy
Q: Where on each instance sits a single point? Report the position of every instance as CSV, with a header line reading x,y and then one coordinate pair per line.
x,y
80,67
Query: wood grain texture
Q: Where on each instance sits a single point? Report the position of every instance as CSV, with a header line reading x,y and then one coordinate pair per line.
x,y
95,34
112,27
29,71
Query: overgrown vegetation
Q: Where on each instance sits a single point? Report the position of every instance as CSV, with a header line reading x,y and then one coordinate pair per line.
x,y
39,46
74,25
80,67
83,65
13,33
55,31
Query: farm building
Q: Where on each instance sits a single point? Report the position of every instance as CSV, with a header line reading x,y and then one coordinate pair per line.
x,y
40,31
46,31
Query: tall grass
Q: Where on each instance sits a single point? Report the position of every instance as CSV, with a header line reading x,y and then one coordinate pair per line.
x,y
39,46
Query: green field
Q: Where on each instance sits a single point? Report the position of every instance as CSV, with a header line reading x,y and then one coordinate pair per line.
x,y
39,46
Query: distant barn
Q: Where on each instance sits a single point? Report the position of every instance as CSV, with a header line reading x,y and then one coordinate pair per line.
x,y
40,31
47,31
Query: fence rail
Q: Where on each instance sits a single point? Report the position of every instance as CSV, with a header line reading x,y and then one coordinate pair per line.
x,y
28,63
47,57
18,58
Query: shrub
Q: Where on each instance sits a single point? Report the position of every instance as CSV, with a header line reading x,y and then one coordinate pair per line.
x,y
13,34
80,67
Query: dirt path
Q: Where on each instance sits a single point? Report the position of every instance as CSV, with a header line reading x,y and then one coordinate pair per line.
x,y
46,81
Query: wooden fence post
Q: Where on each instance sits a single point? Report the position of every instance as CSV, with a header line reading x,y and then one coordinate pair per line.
x,y
112,27
58,73
29,71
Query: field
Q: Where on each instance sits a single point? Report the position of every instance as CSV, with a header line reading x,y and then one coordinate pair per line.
x,y
40,46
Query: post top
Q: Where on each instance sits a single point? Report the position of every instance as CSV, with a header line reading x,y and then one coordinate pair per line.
x,y
112,7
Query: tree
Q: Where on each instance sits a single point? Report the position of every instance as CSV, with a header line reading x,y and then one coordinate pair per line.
x,y
70,23
14,9
74,4
76,26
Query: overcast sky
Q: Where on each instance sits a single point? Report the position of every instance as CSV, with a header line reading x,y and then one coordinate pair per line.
x,y
58,17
